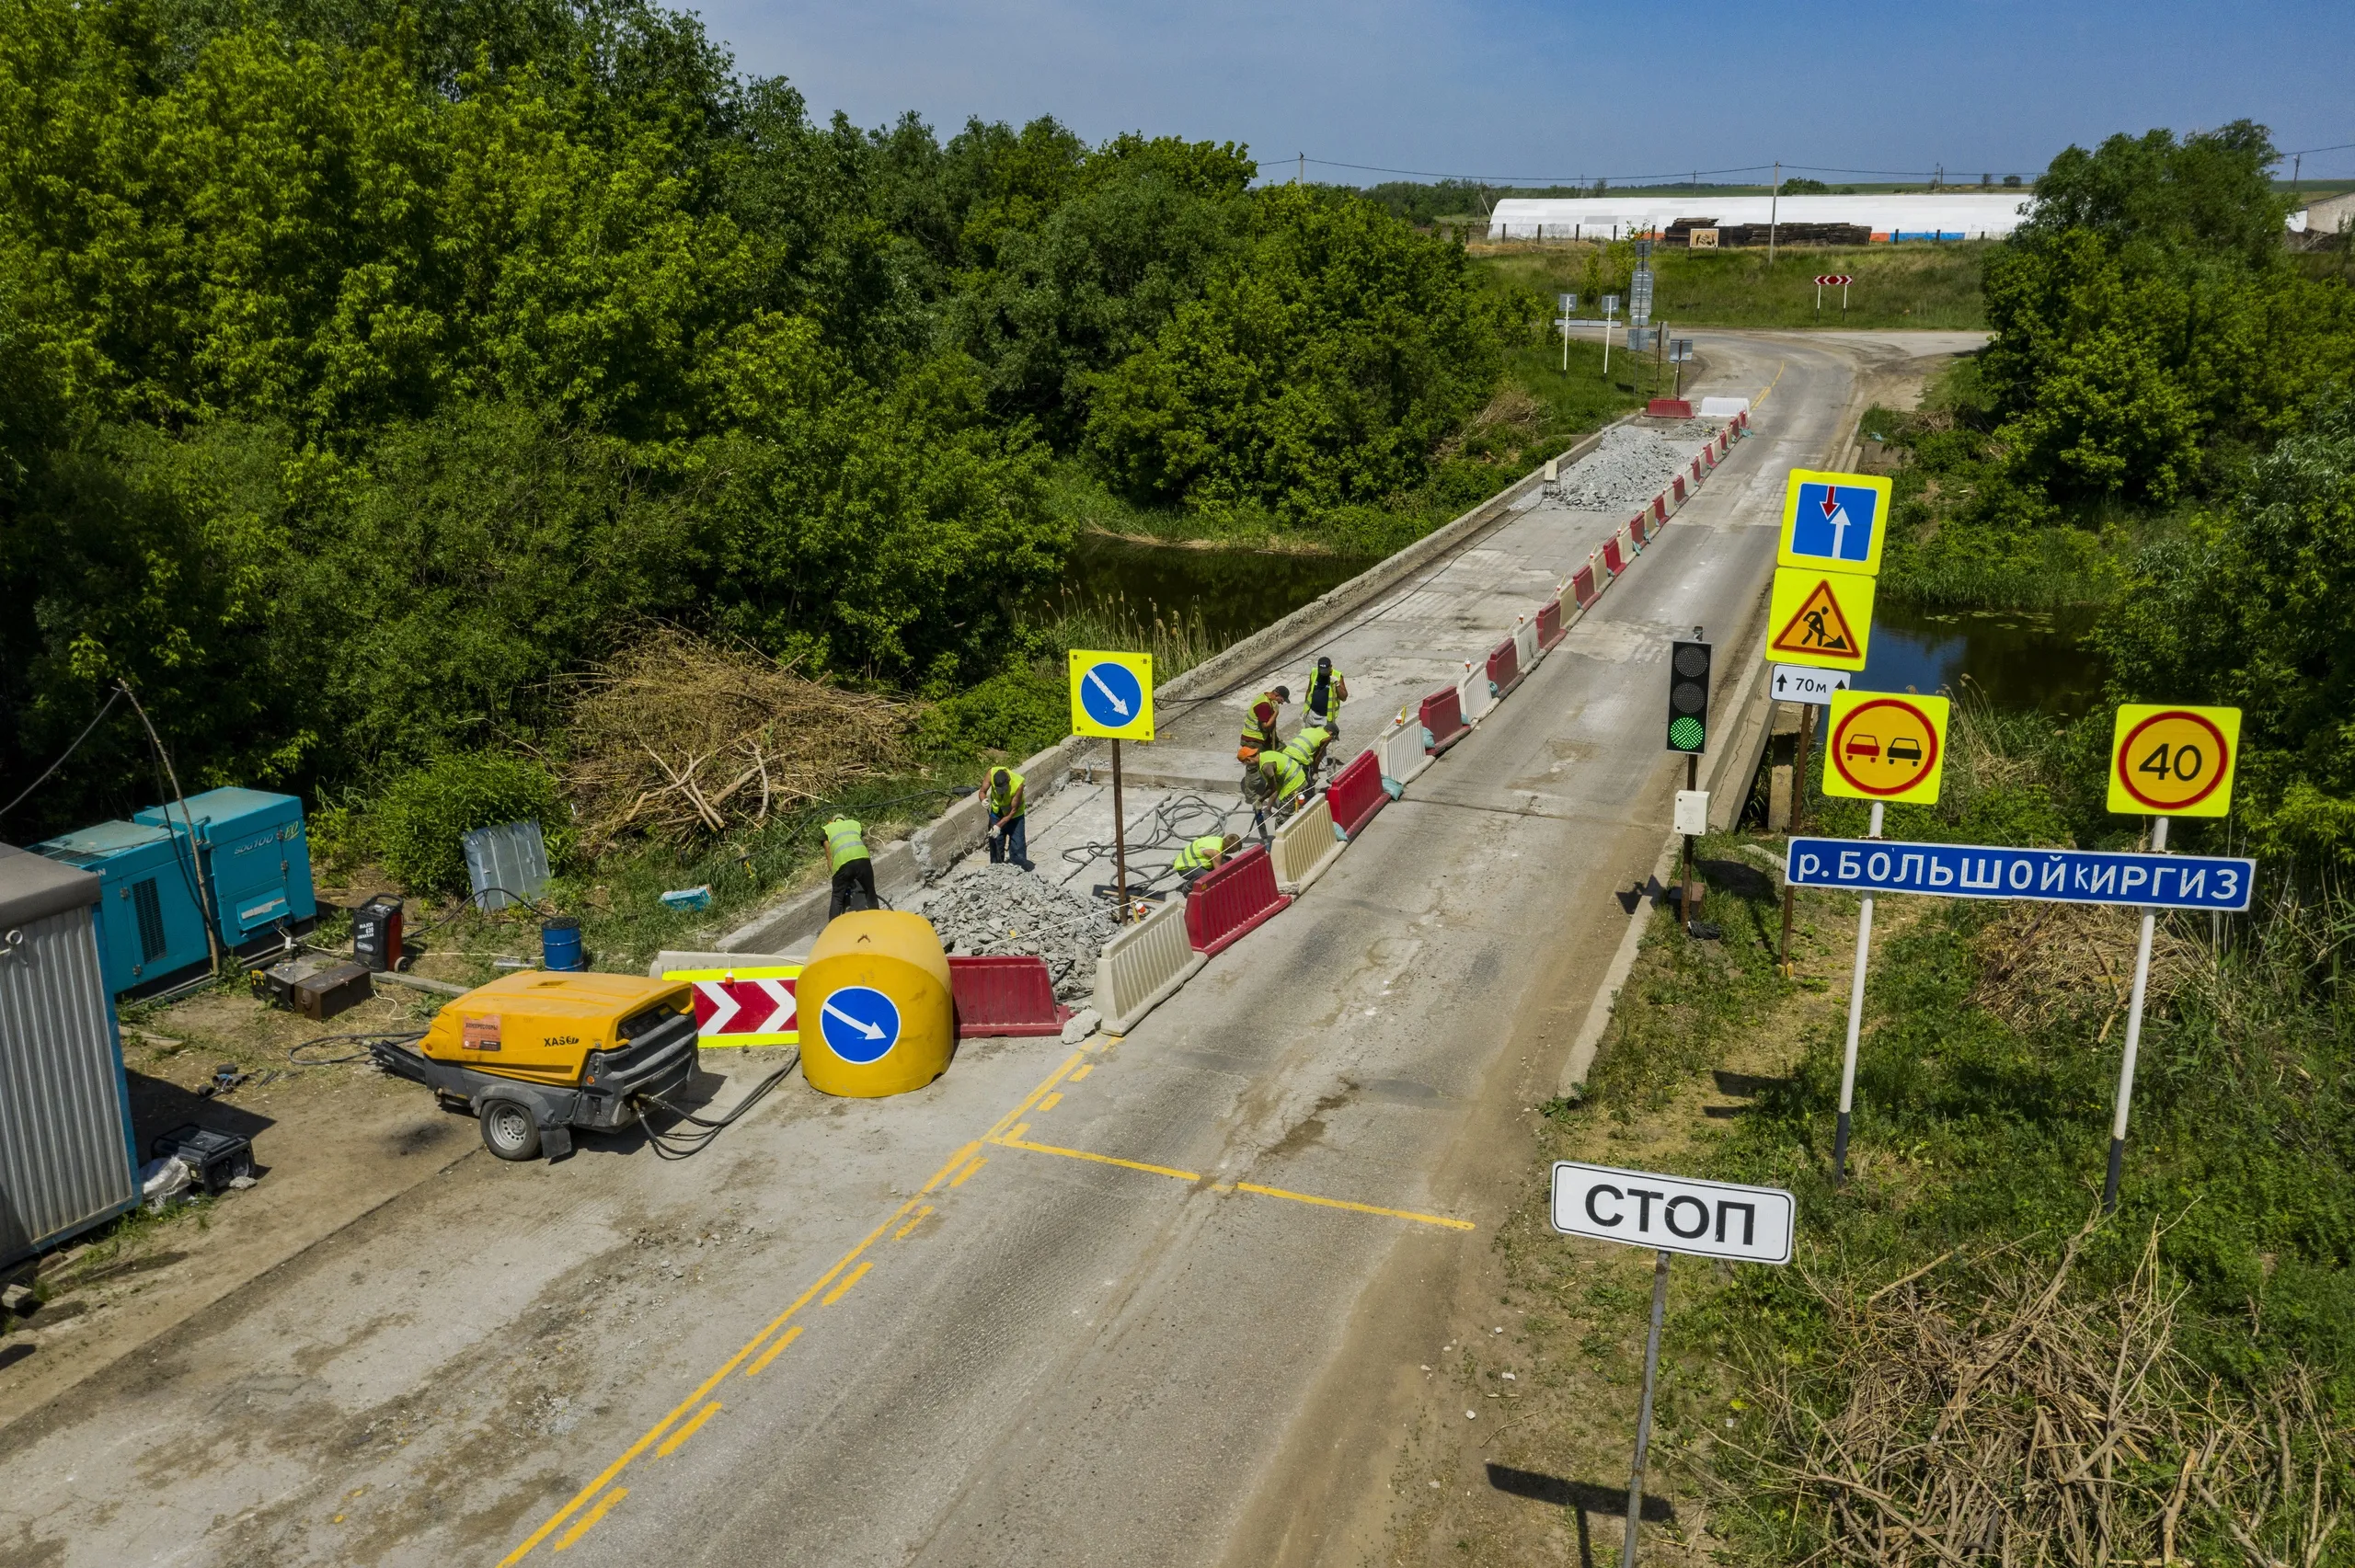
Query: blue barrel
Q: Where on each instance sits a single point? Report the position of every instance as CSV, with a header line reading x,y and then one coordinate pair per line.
x,y
560,943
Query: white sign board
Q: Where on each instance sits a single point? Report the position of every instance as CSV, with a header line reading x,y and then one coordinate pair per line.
x,y
1805,683
1674,1214
1693,811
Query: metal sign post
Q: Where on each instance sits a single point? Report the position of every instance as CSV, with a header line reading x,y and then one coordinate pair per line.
x,y
1856,1018
1610,309
1111,695
2133,1040
1668,1214
1567,304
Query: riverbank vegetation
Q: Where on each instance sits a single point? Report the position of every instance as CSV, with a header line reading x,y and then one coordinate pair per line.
x,y
374,375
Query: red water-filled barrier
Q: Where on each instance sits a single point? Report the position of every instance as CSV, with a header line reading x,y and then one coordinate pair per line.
x,y
1612,557
1637,531
1230,902
1549,622
1721,443
1444,723
1659,509
1356,793
1008,995
1582,587
1669,408
1696,471
1678,487
1504,667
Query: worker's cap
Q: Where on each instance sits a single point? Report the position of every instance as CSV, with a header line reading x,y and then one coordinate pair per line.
x,y
1324,665
997,775
1283,693
1233,842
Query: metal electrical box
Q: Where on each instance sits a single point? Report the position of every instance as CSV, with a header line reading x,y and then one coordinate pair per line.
x,y
257,860
151,928
66,1161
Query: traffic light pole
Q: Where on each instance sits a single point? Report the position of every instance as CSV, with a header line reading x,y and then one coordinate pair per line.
x,y
1692,782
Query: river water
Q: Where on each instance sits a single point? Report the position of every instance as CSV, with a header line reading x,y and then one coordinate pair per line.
x,y
2022,661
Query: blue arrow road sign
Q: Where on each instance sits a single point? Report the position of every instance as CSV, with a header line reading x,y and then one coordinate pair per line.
x,y
2063,876
1110,695
1835,522
860,1023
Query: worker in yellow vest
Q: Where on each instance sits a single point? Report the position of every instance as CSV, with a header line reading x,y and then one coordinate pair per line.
x,y
854,869
1307,749
1009,830
1204,854
1327,689
1259,723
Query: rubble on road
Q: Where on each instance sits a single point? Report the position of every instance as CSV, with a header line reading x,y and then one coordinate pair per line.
x,y
1631,466
1004,910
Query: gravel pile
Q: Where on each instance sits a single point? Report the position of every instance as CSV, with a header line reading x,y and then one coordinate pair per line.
x,y
999,911
1631,466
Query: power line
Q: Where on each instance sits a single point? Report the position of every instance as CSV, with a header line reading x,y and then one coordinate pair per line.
x,y
1673,175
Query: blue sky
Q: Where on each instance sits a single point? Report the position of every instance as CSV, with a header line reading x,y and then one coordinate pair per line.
x,y
1514,90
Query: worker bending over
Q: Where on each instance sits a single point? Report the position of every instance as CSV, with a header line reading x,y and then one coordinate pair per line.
x,y
1203,855
1259,727
1327,689
1307,749
854,869
1009,830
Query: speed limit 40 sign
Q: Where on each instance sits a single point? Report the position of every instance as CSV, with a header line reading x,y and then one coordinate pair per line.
x,y
2167,760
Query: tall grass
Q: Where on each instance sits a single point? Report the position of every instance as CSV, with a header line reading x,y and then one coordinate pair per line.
x,y
1896,286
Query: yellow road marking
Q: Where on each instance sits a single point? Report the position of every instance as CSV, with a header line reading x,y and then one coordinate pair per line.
x,y
1360,1208
1102,1159
1771,384
966,1174
1085,1068
902,1234
774,1350
604,1506
1051,1100
1019,1128
668,1446
839,1291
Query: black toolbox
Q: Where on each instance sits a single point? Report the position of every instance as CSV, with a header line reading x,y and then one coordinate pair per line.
x,y
213,1159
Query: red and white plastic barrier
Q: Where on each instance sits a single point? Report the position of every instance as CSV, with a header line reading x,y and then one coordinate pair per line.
x,y
1231,900
1504,669
1550,629
1443,721
1583,585
1659,508
1356,793
1612,557
1013,994
1677,486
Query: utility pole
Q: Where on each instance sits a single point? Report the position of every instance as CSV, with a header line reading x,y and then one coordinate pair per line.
x,y
1774,210
1304,170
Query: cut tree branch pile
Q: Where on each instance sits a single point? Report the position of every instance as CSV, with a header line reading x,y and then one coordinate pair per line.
x,y
681,740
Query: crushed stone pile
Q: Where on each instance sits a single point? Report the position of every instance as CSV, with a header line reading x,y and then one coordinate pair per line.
x,y
1631,466
1001,910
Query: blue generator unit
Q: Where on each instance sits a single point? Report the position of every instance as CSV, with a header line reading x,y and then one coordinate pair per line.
x,y
150,926
256,860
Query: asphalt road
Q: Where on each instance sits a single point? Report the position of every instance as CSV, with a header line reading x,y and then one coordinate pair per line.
x,y
1133,1302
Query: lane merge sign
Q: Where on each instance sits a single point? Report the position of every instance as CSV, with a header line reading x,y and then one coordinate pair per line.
x,y
1837,522
2052,877
1111,694
1673,1214
1799,683
860,1024
1819,618
2170,761
1886,747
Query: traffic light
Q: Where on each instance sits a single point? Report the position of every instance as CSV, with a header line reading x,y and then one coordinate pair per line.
x,y
1688,697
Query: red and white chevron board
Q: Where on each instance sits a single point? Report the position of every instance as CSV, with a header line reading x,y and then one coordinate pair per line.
x,y
747,1012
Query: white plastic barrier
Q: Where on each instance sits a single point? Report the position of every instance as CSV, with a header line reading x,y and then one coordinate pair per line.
x,y
1137,971
1524,643
1723,407
1472,694
1402,756
1304,847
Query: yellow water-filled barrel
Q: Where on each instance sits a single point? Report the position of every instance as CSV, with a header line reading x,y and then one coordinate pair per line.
x,y
873,1006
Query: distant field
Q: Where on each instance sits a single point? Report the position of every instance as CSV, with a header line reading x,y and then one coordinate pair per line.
x,y
1915,285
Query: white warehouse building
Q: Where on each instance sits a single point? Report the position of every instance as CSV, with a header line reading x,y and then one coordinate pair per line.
x,y
1946,214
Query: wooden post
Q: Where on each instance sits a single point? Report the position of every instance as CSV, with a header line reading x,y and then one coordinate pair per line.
x,y
1798,813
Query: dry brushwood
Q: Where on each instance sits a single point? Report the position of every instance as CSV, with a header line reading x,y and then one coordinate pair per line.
x,y
2041,962
678,739
2031,1422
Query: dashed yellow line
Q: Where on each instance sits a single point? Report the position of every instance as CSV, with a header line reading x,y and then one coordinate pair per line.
x,y
853,1277
961,1177
1051,1101
588,1520
670,1444
1085,1068
902,1234
1771,385
776,1347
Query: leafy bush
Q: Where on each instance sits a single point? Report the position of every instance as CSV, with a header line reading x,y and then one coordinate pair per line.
x,y
1018,713
416,825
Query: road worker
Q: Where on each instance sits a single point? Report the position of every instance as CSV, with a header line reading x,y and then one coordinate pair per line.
x,y
854,869
1259,726
1204,854
1327,689
1307,749
1009,830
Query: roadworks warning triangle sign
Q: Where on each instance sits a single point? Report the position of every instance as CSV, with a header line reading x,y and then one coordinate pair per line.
x,y
1820,618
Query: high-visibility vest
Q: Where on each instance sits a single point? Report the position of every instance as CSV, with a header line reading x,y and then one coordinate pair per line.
x,y
1002,796
846,841
1200,853
1323,703
1285,771
1258,736
1303,749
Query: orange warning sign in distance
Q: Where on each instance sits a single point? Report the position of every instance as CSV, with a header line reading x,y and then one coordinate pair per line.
x,y
1884,747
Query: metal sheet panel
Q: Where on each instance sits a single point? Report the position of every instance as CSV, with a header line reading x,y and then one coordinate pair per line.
x,y
66,1155
506,865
